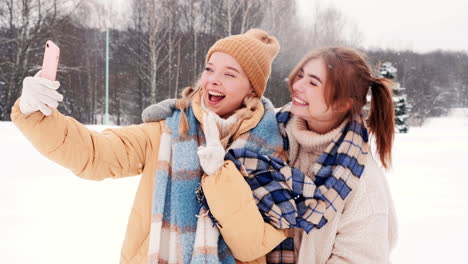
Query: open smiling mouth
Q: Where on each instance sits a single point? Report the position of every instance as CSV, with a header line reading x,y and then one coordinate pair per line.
x,y
215,97
299,101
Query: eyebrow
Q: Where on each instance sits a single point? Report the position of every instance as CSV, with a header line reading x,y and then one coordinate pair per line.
x,y
228,67
232,68
313,76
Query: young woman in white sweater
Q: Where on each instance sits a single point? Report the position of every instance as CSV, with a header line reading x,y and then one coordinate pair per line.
x,y
329,88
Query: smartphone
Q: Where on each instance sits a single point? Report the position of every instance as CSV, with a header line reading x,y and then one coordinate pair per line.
x,y
50,61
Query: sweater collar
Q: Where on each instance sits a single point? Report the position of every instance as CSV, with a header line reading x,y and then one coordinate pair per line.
x,y
300,137
310,141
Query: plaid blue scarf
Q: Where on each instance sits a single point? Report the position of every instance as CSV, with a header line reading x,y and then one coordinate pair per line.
x,y
287,198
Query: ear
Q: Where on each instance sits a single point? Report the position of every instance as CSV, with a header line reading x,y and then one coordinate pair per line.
x,y
343,105
252,91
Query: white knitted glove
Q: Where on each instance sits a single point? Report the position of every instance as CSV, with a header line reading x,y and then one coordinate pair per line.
x,y
39,94
212,156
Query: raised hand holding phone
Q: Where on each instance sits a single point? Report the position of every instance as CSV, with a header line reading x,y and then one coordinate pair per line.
x,y
39,92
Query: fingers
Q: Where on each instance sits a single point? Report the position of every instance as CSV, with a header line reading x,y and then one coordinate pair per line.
x,y
38,88
47,100
38,74
46,96
211,129
38,94
40,106
39,81
28,81
47,83
44,109
207,130
50,93
41,84
211,158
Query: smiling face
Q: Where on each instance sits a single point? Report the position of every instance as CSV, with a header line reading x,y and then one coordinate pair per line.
x,y
225,84
308,97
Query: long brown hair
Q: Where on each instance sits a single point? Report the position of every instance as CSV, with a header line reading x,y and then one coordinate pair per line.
x,y
349,76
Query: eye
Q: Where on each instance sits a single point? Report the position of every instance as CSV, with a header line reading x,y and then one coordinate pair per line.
x,y
313,84
230,75
300,75
208,69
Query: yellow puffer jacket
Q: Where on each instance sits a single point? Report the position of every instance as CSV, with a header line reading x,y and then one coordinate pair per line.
x,y
133,150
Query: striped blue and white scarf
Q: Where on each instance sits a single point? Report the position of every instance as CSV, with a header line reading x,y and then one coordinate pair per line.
x,y
177,235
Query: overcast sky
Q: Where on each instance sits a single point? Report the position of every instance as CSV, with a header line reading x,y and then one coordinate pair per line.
x,y
420,25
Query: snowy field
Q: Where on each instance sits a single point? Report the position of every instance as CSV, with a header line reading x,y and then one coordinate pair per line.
x,y
48,215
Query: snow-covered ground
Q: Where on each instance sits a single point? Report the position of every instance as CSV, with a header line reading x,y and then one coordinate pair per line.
x,y
429,183
48,215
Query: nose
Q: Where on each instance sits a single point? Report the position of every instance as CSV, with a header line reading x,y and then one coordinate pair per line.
x,y
214,79
298,85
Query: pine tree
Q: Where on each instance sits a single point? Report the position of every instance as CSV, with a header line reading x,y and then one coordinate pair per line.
x,y
399,98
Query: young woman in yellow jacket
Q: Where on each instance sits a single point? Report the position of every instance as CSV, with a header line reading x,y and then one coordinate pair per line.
x,y
167,223
327,140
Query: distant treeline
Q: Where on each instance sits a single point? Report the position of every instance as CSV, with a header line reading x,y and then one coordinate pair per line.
x,y
161,48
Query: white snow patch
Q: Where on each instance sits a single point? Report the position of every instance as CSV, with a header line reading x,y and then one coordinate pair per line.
x,y
51,216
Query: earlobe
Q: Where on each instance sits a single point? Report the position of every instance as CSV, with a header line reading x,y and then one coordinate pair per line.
x,y
344,105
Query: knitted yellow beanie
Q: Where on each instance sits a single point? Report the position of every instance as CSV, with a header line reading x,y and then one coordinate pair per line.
x,y
254,51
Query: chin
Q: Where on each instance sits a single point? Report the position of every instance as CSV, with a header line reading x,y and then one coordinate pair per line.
x,y
217,111
296,111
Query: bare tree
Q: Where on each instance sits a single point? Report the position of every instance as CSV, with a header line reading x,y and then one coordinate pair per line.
x,y
237,16
331,27
151,30
230,10
281,21
27,24
192,23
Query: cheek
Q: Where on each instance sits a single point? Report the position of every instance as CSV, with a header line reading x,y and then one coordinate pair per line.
x,y
203,81
237,98
318,107
238,90
316,97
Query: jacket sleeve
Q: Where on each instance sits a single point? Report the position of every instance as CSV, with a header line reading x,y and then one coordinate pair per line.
x,y
367,231
112,153
232,204
362,241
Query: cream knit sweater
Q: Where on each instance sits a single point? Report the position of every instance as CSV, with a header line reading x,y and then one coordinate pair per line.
x,y
366,230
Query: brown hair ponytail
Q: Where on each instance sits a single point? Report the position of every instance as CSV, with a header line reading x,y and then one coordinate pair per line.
x,y
381,119
182,104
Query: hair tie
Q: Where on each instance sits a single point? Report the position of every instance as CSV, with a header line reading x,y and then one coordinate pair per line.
x,y
374,85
